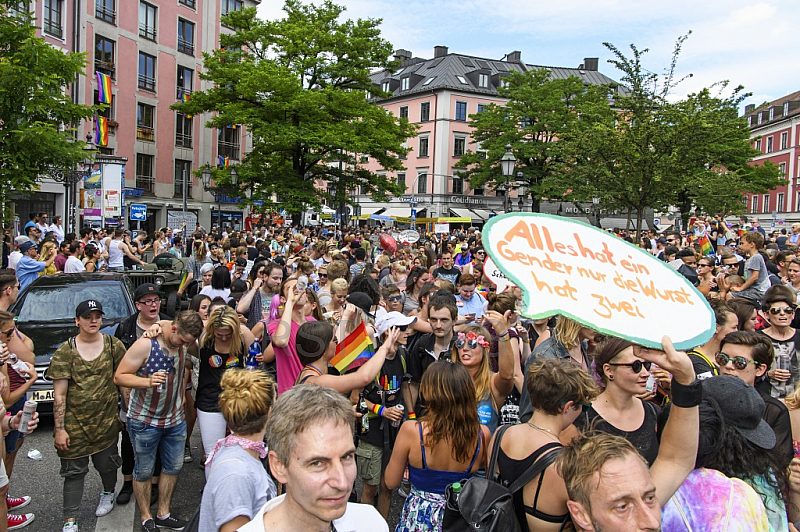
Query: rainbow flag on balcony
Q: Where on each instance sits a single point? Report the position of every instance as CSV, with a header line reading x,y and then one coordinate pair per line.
x,y
224,162
101,130
103,88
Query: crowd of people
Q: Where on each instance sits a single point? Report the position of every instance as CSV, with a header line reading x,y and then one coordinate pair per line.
x,y
461,385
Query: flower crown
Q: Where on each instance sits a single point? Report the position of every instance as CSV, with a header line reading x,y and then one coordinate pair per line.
x,y
471,336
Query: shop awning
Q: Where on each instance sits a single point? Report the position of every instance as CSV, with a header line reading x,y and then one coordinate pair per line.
x,y
397,212
482,213
366,212
463,213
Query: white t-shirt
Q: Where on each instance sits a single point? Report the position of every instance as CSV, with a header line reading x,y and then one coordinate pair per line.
x,y
74,265
356,518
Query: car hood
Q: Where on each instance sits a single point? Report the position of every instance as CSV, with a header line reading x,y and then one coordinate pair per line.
x,y
48,337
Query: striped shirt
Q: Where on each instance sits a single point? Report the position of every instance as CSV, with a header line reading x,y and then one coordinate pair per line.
x,y
160,409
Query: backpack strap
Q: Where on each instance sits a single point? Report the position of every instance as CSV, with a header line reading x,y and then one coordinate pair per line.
x,y
491,470
549,454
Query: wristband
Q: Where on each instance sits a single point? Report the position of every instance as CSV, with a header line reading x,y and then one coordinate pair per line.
x,y
412,415
686,396
508,331
376,409
501,339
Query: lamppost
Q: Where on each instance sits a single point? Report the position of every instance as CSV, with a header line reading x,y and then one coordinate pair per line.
x,y
507,163
70,177
217,190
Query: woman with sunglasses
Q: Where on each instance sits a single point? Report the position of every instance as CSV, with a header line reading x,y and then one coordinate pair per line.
x,y
618,409
706,273
779,307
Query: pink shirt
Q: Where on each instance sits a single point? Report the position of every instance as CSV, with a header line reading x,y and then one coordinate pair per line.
x,y
286,361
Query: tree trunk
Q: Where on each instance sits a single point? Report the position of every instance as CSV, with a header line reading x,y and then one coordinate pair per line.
x,y
536,203
639,219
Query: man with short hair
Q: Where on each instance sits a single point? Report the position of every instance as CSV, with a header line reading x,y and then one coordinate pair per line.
x,y
446,270
62,256
85,410
14,256
73,264
9,290
318,470
469,302
28,267
153,368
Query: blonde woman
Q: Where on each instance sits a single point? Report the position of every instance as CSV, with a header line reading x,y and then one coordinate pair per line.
x,y
159,243
338,298
44,255
234,466
397,275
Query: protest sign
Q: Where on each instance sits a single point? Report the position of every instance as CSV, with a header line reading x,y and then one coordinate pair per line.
x,y
599,280
409,235
441,228
498,278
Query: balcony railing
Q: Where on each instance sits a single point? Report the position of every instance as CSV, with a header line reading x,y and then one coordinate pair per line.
x,y
148,32
183,140
228,149
106,67
181,91
186,47
101,12
147,83
178,192
145,133
147,183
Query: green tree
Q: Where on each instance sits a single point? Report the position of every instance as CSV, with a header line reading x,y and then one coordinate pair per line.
x,y
37,115
540,117
300,86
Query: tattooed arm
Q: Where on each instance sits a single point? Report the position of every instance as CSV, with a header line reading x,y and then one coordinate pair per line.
x,y
59,411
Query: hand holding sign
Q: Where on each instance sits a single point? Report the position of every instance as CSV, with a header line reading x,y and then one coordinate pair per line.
x,y
571,268
498,278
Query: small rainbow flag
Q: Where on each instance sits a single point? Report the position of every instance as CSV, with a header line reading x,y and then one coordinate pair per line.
x,y
101,130
103,88
705,246
224,161
354,351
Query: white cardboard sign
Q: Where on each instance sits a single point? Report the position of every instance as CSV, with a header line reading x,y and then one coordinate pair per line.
x,y
409,235
498,278
599,280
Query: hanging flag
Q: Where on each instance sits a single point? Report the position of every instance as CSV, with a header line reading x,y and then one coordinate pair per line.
x,y
103,88
101,130
705,245
224,162
354,351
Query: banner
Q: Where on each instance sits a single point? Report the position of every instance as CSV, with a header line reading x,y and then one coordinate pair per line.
x,y
441,228
498,278
601,281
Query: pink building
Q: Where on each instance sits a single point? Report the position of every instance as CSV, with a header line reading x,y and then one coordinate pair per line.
x,y
775,130
152,50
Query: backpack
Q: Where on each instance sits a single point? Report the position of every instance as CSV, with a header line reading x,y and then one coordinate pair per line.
x,y
486,504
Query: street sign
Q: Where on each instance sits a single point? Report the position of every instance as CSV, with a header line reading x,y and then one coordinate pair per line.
x,y
413,215
138,212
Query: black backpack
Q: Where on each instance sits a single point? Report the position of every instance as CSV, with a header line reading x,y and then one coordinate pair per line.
x,y
486,504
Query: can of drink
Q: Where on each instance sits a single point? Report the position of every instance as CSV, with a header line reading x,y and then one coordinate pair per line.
x,y
397,423
18,365
27,415
163,386
785,361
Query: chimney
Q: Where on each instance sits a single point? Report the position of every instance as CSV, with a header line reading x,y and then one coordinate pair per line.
x,y
514,57
590,63
749,108
402,55
439,51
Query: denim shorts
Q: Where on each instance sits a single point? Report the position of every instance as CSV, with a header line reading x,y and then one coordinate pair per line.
x,y
13,437
145,441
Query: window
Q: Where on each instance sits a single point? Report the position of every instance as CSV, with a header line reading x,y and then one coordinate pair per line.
x,y
463,80
147,72
758,144
760,117
183,168
458,185
769,144
104,10
185,36
185,81
771,113
779,207
797,203
461,111
785,108
52,17
188,3
483,80
145,119
385,86
481,107
228,142
423,146
424,111
765,206
401,181
749,120
104,55
459,146
147,21
428,81
404,83
782,170
784,140
404,112
106,113
231,5
183,131
144,173
754,207
422,183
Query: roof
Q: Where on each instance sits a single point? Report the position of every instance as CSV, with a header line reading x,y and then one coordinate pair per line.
x,y
792,99
460,72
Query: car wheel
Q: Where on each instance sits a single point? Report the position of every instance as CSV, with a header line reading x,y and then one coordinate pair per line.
x,y
171,307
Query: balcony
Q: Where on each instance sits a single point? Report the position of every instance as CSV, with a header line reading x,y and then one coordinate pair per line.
x,y
183,140
103,13
106,67
148,32
147,183
228,149
186,47
147,134
181,91
147,83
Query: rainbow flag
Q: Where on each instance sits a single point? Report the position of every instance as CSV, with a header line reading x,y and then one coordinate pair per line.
x,y
101,130
224,162
354,351
103,88
705,246
185,99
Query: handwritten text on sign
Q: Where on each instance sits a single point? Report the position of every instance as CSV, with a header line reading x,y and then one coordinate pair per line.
x,y
567,267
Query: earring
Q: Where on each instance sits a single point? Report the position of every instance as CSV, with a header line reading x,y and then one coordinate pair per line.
x,y
610,377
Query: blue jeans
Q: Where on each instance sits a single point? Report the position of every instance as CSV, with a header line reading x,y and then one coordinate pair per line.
x,y
145,441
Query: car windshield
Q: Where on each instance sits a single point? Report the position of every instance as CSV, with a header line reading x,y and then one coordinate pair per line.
x,y
48,303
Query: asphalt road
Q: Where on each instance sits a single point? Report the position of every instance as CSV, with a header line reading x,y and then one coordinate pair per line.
x,y
40,480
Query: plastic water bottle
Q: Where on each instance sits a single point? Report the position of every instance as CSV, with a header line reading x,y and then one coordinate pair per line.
x,y
652,382
27,415
18,365
302,283
251,363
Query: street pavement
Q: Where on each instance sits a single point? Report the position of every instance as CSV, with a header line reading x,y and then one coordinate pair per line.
x,y
40,480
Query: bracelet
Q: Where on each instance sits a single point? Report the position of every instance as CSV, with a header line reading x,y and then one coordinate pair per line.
x,y
377,409
508,331
501,339
412,415
686,396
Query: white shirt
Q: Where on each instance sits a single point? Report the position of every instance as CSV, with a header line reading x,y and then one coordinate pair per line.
x,y
59,231
74,265
13,259
356,518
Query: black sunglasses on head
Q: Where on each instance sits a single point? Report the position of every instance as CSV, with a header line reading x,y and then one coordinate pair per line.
x,y
636,366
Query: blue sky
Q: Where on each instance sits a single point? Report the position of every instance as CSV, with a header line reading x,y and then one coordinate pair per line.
x,y
748,43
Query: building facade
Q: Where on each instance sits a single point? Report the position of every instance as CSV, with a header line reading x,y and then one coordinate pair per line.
x,y
152,52
775,132
439,95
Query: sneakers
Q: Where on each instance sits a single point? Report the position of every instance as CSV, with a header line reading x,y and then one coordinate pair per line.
x,y
15,522
187,455
124,495
170,522
150,526
15,503
69,526
106,504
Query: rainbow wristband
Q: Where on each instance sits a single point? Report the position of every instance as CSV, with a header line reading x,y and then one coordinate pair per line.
x,y
377,409
412,415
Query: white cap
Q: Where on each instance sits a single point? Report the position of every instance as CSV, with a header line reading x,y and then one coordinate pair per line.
x,y
393,319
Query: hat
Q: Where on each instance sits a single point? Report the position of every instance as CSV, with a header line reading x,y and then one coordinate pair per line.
x,y
280,239
88,306
393,319
361,300
661,240
297,249
21,239
742,407
25,246
241,261
205,268
238,287
145,289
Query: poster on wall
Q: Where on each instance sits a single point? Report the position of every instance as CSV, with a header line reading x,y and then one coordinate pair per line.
x,y
91,200
175,219
95,179
112,191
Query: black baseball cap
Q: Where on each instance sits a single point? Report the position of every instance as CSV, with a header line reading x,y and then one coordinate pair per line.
x,y
87,307
146,289
238,287
241,261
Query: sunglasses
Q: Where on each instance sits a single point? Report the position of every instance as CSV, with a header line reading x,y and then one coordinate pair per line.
x,y
394,299
739,363
9,332
321,275
785,310
472,344
636,366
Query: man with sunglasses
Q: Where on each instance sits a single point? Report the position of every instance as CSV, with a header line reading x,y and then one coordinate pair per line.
x,y
747,356
702,357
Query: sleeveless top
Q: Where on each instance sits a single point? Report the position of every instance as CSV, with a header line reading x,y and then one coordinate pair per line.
x,y
160,409
436,480
487,413
644,439
115,255
212,366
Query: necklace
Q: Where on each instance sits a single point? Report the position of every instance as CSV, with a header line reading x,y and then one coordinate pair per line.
x,y
314,369
550,432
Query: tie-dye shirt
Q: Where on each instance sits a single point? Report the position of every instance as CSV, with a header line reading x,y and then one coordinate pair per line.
x,y
709,501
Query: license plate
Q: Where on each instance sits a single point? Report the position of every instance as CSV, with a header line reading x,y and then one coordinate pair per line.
x,y
42,396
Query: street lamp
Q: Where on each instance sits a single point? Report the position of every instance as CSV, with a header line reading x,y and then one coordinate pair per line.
x,y
218,190
507,163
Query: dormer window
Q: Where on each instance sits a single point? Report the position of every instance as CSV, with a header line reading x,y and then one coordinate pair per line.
x,y
404,84
385,86
483,80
